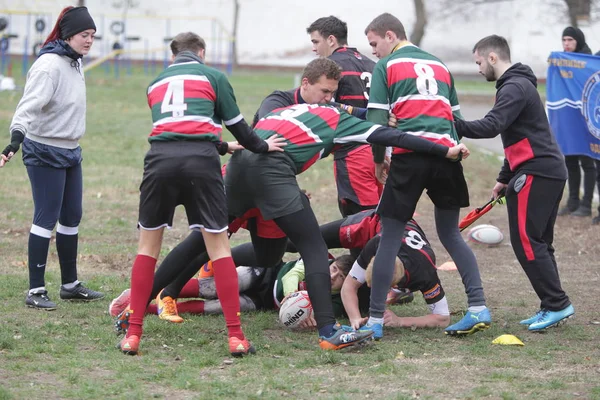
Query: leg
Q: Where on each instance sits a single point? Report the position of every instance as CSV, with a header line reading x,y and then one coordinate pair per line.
x,y
47,187
446,222
574,182
531,213
142,277
302,229
589,181
596,219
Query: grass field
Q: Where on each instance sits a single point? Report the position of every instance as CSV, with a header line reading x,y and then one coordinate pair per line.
x,y
69,353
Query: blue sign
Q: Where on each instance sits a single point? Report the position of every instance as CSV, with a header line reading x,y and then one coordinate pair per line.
x,y
573,102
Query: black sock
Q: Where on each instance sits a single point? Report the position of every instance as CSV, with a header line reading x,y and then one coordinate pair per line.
x,y
66,247
38,255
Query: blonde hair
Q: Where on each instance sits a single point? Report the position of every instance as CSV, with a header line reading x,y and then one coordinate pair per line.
x,y
398,272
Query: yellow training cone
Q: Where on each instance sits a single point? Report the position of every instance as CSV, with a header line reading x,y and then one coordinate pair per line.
x,y
508,340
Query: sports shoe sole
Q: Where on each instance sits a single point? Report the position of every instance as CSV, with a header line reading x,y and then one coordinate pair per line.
x,y
554,325
251,350
41,308
475,328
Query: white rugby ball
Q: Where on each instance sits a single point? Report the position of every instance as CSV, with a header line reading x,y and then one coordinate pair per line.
x,y
485,234
295,309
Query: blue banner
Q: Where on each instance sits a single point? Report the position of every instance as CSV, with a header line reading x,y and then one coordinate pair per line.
x,y
573,102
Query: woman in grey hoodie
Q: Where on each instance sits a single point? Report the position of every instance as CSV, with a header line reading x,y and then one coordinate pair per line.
x,y
48,122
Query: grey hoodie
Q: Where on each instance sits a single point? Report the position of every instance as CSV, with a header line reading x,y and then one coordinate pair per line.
x,y
53,107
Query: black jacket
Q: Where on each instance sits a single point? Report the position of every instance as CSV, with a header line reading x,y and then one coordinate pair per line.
x,y
520,118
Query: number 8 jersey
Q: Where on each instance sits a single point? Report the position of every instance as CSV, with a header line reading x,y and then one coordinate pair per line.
x,y
419,89
190,101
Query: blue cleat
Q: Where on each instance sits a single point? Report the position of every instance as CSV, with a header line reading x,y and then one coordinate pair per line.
x,y
549,319
342,338
531,320
470,323
376,328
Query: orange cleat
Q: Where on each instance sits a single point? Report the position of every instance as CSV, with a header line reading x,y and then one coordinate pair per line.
x,y
129,345
167,309
239,348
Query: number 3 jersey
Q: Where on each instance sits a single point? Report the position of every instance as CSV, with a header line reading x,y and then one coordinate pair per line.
x,y
419,263
190,101
419,89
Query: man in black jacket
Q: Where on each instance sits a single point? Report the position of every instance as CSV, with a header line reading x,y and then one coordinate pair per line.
x,y
533,173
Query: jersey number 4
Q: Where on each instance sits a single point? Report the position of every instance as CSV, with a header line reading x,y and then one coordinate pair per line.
x,y
173,101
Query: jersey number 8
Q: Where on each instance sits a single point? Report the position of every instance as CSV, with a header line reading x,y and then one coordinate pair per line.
x,y
426,83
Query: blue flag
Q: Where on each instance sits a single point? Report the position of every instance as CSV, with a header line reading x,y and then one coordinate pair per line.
x,y
573,102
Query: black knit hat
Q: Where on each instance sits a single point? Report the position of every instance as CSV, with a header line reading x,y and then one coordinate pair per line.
x,y
576,34
75,20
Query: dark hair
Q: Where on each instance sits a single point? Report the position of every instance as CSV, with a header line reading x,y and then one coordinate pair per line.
x,y
494,43
344,263
187,41
319,67
331,25
386,22
55,32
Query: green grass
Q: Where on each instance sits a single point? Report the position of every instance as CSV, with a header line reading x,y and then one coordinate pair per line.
x,y
69,353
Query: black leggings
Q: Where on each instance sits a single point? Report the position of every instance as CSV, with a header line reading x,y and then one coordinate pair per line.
x,y
302,229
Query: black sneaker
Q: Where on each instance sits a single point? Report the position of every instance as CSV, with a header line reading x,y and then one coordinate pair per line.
x,y
566,210
596,220
40,301
80,292
582,211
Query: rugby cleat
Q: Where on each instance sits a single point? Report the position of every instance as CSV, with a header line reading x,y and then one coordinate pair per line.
x,y
470,323
167,309
239,348
120,303
341,338
548,319
129,345
122,322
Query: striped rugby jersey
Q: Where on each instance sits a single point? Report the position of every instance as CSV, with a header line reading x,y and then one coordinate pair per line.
x,y
419,89
312,131
190,101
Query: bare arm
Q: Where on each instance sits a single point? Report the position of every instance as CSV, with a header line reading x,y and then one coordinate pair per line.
x,y
425,321
349,295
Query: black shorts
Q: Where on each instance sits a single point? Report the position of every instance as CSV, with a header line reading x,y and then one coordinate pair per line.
x,y
264,181
186,173
412,173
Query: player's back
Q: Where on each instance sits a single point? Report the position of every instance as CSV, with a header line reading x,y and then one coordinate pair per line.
x,y
184,104
357,70
420,92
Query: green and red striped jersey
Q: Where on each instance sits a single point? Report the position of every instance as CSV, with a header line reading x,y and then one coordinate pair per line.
x,y
190,101
419,89
312,131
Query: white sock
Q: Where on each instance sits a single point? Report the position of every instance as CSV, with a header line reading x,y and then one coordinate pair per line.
x,y
476,309
37,290
373,320
70,286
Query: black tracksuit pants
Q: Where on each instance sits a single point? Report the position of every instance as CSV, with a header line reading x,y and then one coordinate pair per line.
x,y
532,203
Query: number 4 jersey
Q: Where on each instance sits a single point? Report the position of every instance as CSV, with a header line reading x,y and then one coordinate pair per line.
x,y
419,89
190,101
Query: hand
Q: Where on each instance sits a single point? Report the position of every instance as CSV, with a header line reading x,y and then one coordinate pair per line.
x,y
356,323
498,187
457,153
233,146
391,319
306,193
381,171
276,143
308,324
392,121
5,158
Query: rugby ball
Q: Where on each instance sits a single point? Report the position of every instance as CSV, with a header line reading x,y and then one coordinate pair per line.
x,y
295,309
485,234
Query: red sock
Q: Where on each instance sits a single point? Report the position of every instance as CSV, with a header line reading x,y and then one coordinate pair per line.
x,y
152,309
142,278
226,282
190,290
191,307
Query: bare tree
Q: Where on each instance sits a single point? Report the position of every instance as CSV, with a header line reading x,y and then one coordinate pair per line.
x,y
579,10
236,14
80,3
420,23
